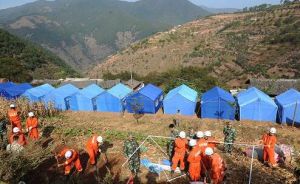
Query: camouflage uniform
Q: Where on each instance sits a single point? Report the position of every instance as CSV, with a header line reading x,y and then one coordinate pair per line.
x,y
134,162
173,135
3,133
230,135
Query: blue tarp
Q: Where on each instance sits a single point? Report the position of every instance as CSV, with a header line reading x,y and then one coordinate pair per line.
x,y
146,100
60,97
13,91
112,100
36,94
256,105
85,99
217,104
181,100
289,106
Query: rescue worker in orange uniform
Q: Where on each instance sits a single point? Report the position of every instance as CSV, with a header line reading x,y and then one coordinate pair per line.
x,y
202,144
269,140
14,117
194,160
211,142
17,133
216,166
93,148
72,159
180,149
31,126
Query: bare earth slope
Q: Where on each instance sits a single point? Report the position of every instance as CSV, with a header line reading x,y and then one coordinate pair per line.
x,y
236,46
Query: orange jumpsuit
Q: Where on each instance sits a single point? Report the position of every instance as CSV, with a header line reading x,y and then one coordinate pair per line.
x,y
14,118
92,149
269,142
194,159
217,168
180,150
74,160
33,123
210,142
202,145
21,140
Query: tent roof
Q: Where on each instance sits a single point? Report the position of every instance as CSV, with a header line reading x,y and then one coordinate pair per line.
x,y
253,94
65,90
184,91
16,90
40,90
288,97
91,91
120,91
216,93
151,91
7,85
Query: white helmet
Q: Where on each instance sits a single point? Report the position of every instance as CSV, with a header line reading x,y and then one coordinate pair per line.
x,y
209,151
16,130
68,154
207,133
99,139
182,134
199,134
192,142
273,130
12,105
30,114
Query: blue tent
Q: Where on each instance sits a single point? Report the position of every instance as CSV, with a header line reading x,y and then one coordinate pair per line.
x,y
218,104
13,91
289,106
37,93
60,96
85,99
256,105
146,100
112,100
181,100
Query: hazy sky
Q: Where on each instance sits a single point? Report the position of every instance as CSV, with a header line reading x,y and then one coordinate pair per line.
x,y
209,3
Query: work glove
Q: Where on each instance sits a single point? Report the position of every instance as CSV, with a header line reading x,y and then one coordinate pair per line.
x,y
30,128
99,150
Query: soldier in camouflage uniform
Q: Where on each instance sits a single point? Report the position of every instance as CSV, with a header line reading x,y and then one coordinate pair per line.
x,y
230,135
3,132
173,134
130,146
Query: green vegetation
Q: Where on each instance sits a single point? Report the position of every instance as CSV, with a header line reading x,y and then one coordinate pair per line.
x,y
197,78
20,59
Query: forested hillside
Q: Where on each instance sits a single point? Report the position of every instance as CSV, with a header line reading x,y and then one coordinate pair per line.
x,y
22,61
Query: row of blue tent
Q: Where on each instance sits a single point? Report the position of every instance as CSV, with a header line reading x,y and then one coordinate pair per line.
x,y
217,103
10,90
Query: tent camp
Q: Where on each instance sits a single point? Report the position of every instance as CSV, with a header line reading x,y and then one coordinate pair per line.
x,y
217,104
12,91
112,100
147,100
289,107
181,100
255,105
60,96
37,93
85,99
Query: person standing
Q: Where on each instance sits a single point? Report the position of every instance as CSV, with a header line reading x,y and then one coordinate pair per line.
x,y
269,140
211,141
191,133
31,126
181,144
194,160
3,132
216,167
230,136
93,148
131,151
14,117
173,136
